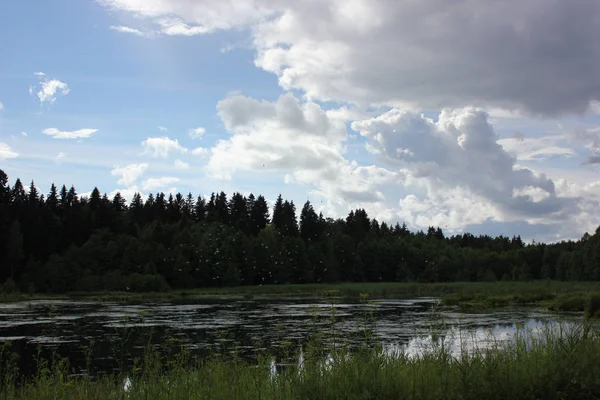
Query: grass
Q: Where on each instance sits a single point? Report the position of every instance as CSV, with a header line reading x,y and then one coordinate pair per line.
x,y
563,364
533,291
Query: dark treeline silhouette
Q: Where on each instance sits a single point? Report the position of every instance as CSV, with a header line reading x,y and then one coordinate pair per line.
x,y
61,242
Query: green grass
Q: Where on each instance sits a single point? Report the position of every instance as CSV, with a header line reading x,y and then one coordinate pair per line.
x,y
562,365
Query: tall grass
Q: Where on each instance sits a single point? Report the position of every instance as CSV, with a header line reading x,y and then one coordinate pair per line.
x,y
559,364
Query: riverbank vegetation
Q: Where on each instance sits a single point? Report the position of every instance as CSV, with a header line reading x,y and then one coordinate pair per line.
x,y
554,295
559,364
62,242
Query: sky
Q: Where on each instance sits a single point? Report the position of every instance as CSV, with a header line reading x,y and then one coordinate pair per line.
x,y
477,116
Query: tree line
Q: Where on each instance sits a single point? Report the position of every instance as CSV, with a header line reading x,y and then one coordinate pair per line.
x,y
60,241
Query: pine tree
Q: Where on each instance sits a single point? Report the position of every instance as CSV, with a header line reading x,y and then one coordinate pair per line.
x,y
189,207
72,198
4,188
62,201
18,195
95,199
211,209
34,196
136,209
52,199
259,215
119,203
278,214
200,212
310,228
238,212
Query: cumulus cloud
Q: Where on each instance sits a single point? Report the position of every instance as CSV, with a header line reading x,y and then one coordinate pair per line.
x,y
299,140
78,134
60,156
460,151
162,146
181,164
49,89
6,152
533,55
24,134
200,151
1,106
196,133
162,128
159,183
129,174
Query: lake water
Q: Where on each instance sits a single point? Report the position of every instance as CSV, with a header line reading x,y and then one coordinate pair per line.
x,y
247,327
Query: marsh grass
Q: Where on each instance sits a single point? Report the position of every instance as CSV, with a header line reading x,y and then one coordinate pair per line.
x,y
556,295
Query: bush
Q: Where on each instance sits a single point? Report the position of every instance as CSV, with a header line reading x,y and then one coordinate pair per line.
x,y
570,302
592,307
9,287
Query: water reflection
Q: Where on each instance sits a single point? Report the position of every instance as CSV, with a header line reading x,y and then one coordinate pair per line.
x,y
249,327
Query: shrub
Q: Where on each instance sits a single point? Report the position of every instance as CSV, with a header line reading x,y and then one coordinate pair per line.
x,y
592,306
570,302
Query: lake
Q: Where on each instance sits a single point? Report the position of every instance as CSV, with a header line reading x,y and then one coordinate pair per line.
x,y
248,326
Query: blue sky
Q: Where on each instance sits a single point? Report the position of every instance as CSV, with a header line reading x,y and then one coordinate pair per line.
x,y
471,116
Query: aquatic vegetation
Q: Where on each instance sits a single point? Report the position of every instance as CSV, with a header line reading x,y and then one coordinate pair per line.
x,y
562,363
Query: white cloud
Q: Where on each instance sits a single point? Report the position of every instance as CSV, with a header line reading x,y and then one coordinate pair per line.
x,y
159,183
275,136
537,149
126,29
1,106
6,152
426,53
49,89
24,134
78,134
181,165
371,149
200,151
162,128
175,17
60,156
535,194
197,132
460,151
162,146
301,142
175,26
452,210
129,173
126,193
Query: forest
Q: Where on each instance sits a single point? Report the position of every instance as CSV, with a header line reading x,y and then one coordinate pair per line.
x,y
61,242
